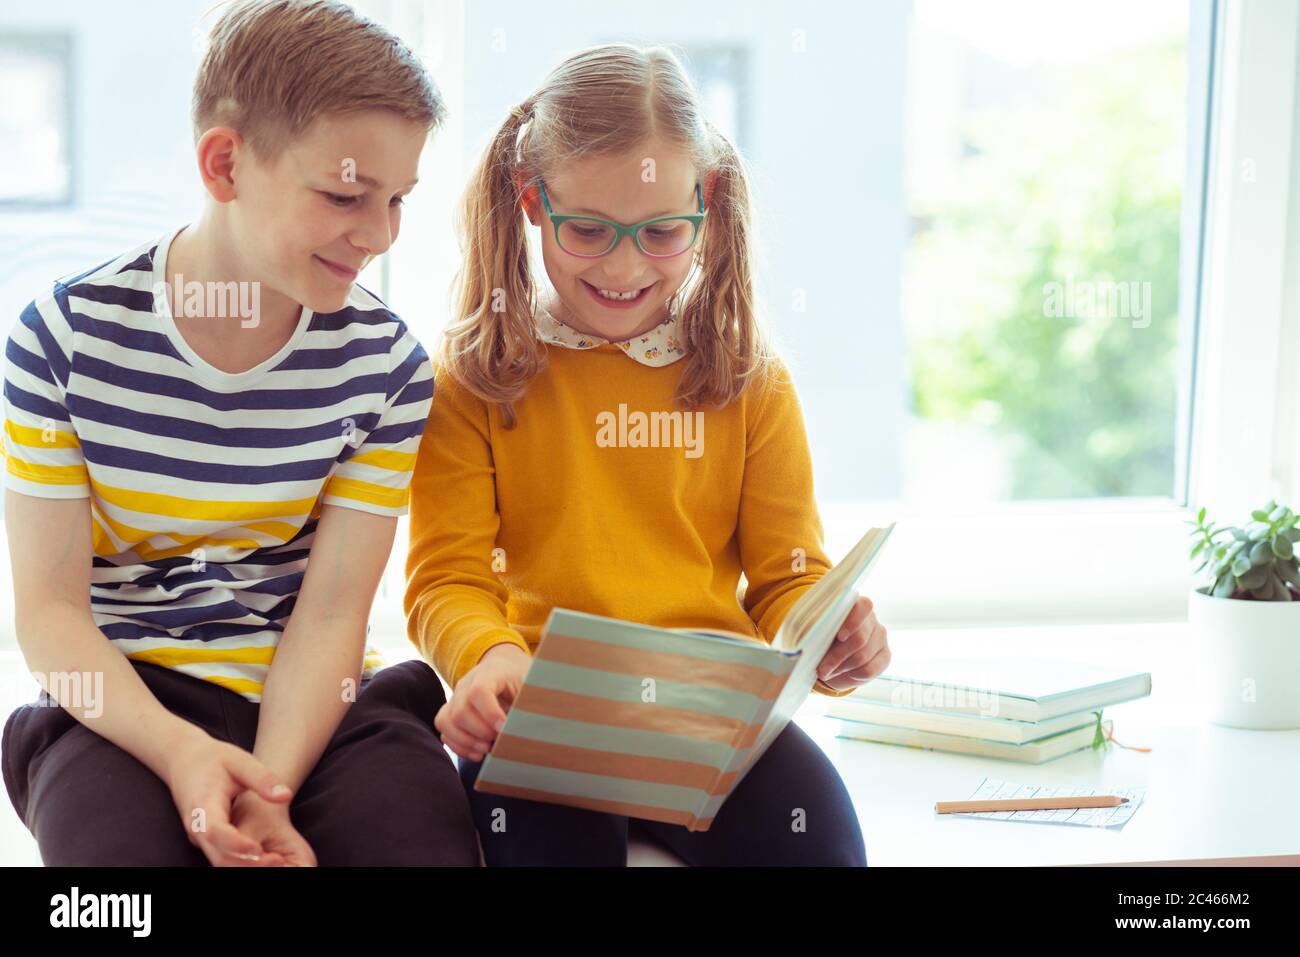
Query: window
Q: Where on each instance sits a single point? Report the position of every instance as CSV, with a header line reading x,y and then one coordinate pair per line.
x,y
1046,165
36,119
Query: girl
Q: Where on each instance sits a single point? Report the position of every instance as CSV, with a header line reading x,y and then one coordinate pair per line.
x,y
527,501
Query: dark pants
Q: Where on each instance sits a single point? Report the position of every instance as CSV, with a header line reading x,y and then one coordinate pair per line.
x,y
790,809
383,792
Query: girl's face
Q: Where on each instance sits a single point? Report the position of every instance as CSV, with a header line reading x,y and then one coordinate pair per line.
x,y
627,189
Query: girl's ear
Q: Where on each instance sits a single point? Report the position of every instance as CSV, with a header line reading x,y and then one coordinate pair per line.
x,y
710,184
530,199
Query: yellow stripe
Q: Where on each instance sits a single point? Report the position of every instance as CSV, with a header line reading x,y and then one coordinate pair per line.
x,y
25,435
173,656
46,474
101,544
173,506
281,531
366,492
387,459
148,553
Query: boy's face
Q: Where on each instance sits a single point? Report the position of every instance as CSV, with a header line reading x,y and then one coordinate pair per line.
x,y
308,221
615,187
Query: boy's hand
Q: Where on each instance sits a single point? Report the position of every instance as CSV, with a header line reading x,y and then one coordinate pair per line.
x,y
268,823
860,651
469,722
205,777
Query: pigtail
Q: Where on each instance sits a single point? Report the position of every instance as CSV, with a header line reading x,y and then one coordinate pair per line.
x,y
490,346
726,346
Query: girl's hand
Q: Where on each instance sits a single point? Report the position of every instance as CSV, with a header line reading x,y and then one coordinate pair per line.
x,y
860,651
268,823
469,722
205,777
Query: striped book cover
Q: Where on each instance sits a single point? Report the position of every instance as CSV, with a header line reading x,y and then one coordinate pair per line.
x,y
662,723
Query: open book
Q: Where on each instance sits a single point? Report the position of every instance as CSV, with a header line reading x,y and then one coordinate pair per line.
x,y
662,723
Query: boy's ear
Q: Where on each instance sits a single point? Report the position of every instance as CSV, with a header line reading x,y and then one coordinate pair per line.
x,y
530,199
710,184
217,150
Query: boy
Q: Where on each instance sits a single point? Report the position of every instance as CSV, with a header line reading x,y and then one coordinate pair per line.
x,y
185,425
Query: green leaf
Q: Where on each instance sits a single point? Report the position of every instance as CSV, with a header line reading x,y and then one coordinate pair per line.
x,y
1260,553
1265,591
1223,587
1260,515
1255,577
1282,547
1276,514
1200,516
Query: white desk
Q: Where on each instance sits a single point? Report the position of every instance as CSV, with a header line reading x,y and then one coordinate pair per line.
x,y
1212,792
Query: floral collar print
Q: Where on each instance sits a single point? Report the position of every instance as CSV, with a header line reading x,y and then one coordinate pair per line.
x,y
660,346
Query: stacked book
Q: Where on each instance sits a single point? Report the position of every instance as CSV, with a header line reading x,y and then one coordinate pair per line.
x,y
1019,709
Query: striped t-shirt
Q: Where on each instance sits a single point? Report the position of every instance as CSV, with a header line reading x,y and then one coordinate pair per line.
x,y
205,487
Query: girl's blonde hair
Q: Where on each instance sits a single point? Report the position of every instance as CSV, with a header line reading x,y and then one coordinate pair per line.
x,y
604,100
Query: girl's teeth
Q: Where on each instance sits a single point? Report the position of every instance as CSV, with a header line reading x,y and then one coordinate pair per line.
x,y
618,295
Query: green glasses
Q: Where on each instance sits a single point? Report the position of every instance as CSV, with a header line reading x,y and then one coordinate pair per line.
x,y
590,237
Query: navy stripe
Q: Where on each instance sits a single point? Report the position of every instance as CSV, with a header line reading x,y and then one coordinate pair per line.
x,y
250,399
284,585
141,263
393,434
169,618
334,358
28,361
137,300
36,405
126,630
139,340
190,470
239,437
338,321
58,363
415,392
405,372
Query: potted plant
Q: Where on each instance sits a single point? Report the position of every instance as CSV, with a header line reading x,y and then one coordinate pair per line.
x,y
1246,620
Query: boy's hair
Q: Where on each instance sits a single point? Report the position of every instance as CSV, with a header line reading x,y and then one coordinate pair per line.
x,y
272,67
603,100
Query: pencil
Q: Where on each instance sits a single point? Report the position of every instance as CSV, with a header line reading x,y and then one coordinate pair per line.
x,y
1030,804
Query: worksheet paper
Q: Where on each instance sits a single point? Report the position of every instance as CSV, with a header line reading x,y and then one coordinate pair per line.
x,y
992,789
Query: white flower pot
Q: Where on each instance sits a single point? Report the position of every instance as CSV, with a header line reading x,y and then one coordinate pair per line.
x,y
1249,656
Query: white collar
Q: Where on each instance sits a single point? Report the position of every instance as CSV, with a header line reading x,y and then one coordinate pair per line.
x,y
660,346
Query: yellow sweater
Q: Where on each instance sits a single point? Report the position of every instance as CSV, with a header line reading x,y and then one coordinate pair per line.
x,y
593,503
